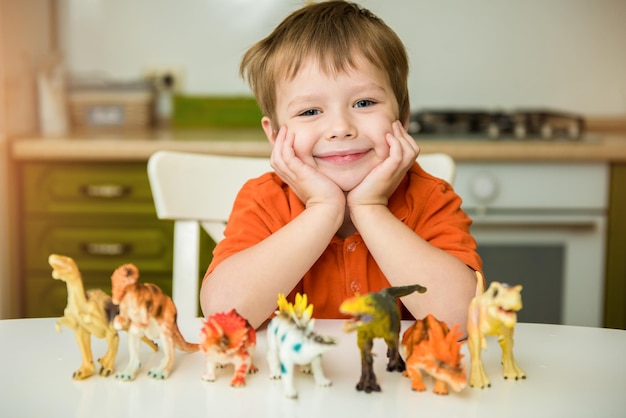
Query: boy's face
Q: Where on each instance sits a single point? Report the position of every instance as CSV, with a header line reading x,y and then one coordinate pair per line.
x,y
339,121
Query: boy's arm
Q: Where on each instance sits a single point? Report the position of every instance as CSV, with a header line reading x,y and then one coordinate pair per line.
x,y
405,258
250,280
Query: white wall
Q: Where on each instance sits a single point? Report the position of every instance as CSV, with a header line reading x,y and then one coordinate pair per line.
x,y
566,54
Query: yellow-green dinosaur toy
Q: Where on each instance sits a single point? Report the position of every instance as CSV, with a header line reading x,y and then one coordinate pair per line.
x,y
377,315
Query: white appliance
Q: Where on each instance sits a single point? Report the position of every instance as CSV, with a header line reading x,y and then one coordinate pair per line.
x,y
542,225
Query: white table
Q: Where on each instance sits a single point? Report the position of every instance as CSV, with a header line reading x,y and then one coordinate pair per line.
x,y
572,371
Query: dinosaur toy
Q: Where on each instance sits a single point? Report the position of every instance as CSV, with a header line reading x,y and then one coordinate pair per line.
x,y
146,311
430,346
228,338
493,312
291,341
377,315
87,313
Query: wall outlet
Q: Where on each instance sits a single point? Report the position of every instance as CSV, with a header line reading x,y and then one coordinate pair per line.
x,y
165,78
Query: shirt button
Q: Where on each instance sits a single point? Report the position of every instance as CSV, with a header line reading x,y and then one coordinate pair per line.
x,y
355,286
351,247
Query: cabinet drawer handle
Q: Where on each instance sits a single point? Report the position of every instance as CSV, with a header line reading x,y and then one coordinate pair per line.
x,y
106,191
105,249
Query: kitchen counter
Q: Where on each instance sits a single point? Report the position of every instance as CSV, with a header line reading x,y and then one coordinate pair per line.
x,y
139,145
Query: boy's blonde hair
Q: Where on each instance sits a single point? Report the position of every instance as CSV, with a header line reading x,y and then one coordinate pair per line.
x,y
334,33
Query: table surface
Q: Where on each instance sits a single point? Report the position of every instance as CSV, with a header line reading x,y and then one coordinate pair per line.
x,y
572,371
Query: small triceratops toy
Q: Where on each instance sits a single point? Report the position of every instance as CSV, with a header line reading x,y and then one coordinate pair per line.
x,y
227,338
493,312
291,341
428,345
377,315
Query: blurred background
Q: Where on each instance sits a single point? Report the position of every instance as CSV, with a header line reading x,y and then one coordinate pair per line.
x,y
565,54
143,63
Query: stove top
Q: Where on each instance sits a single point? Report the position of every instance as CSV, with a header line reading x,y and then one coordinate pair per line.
x,y
521,124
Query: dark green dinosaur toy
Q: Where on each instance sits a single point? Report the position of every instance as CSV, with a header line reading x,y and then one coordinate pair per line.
x,y
377,315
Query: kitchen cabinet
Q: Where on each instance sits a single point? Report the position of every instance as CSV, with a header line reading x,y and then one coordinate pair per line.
x,y
615,288
100,214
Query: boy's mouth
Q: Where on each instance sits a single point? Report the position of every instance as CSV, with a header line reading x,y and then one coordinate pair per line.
x,y
342,157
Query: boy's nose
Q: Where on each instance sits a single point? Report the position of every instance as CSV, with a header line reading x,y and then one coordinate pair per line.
x,y
341,128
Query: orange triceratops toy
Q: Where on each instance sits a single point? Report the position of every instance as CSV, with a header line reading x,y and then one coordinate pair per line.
x,y
228,338
430,346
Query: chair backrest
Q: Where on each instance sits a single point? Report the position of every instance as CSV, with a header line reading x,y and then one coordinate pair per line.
x,y
199,190
439,165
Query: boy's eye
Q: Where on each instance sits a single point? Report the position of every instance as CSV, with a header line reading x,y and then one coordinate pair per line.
x,y
363,103
309,112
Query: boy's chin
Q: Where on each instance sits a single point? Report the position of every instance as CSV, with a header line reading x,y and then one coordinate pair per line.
x,y
348,184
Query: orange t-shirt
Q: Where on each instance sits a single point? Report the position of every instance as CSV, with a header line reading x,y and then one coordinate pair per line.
x,y
426,204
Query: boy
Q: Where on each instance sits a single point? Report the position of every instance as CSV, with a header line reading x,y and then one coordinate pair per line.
x,y
348,210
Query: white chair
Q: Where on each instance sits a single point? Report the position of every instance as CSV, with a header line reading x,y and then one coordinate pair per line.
x,y
196,190
199,190
439,165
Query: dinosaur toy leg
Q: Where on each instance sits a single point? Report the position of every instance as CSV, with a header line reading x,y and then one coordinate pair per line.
x,y
87,368
395,364
440,387
108,360
368,382
415,375
150,343
510,369
134,341
318,372
477,378
287,378
163,370
242,366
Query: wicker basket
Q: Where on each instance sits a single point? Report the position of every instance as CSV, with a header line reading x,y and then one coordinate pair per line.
x,y
110,109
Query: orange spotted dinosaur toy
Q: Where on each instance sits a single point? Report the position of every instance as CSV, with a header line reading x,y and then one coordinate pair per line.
x,y
428,345
228,338
146,311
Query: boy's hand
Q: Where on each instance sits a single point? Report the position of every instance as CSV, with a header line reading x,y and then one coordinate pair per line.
x,y
311,186
382,181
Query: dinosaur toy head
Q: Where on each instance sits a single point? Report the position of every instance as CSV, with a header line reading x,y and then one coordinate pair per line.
x,y
226,333
363,309
376,307
123,276
503,302
63,268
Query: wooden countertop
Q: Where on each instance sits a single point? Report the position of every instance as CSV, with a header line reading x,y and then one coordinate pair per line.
x,y
138,146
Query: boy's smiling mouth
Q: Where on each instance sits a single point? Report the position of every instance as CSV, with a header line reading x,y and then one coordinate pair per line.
x,y
342,157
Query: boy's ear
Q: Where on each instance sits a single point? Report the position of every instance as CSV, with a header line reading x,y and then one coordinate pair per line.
x,y
268,128
407,120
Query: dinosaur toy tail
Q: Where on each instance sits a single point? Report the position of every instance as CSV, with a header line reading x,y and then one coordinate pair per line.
x,y
399,291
